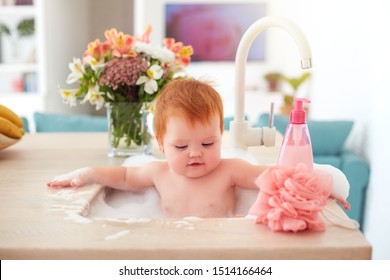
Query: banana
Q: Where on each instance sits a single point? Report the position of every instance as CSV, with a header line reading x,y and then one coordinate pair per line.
x,y
10,115
9,129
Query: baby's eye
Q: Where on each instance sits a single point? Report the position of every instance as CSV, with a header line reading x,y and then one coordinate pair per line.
x,y
207,144
181,147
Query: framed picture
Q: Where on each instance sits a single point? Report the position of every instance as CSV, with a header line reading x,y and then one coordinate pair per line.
x,y
233,16
214,29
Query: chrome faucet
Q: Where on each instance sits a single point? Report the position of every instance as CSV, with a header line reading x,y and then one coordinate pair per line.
x,y
242,135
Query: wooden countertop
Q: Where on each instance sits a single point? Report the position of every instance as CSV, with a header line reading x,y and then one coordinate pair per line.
x,y
31,227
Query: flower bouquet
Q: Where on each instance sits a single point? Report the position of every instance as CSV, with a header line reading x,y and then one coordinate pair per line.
x,y
126,73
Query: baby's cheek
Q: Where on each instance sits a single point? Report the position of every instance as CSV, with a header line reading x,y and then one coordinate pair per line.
x,y
214,158
176,163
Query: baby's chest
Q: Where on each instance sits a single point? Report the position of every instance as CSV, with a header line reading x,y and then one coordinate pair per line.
x,y
198,200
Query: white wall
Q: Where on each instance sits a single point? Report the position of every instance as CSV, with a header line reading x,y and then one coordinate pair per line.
x,y
377,227
69,26
62,43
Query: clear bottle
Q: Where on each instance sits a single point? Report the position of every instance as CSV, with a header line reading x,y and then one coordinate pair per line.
x,y
296,146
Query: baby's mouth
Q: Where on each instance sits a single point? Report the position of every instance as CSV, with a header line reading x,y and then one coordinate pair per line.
x,y
195,164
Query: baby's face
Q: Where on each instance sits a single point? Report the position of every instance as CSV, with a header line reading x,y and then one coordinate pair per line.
x,y
192,150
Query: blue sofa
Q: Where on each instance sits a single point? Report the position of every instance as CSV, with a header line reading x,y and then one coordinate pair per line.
x,y
328,143
49,122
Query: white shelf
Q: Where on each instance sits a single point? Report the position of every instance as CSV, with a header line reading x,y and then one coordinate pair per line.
x,y
23,103
17,11
17,94
14,14
18,67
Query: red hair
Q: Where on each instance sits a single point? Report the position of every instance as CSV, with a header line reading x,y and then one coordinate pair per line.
x,y
196,100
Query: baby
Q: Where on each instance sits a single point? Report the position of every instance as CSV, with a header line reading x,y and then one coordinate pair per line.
x,y
193,180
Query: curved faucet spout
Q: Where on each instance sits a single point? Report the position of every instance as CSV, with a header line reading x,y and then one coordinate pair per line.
x,y
238,126
246,41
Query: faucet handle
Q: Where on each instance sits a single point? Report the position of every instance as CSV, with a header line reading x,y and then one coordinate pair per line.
x,y
269,132
271,115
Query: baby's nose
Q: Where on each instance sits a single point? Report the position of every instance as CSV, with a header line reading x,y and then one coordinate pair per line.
x,y
195,153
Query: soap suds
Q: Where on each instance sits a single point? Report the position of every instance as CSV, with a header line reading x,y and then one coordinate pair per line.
x,y
130,207
69,194
191,218
127,205
117,235
134,207
72,202
184,224
125,221
78,218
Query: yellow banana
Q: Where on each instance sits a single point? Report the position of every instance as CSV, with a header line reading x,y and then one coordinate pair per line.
x,y
10,115
9,129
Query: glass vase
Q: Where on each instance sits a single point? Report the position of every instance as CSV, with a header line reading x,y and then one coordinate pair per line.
x,y
130,129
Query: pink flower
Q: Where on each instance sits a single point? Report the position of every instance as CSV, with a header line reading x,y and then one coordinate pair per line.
x,y
122,45
123,73
126,68
182,53
97,50
291,198
146,35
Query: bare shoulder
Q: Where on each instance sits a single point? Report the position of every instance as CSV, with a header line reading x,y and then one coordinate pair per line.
x,y
242,172
156,168
145,175
241,167
156,165
236,163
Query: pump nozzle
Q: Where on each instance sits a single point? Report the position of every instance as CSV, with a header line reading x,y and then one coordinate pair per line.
x,y
298,114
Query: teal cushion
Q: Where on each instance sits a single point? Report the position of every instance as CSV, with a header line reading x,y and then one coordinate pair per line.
x,y
332,160
26,127
46,122
327,137
227,121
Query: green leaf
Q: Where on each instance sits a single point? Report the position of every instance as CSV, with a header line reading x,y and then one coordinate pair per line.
x,y
288,99
296,82
5,29
26,27
141,92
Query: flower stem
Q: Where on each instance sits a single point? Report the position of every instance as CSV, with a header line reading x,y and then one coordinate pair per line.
x,y
126,124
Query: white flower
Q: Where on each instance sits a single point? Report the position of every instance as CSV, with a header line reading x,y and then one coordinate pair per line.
x,y
94,96
162,54
77,71
68,96
154,73
95,64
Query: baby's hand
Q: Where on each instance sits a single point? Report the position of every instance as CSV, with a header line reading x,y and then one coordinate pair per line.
x,y
77,178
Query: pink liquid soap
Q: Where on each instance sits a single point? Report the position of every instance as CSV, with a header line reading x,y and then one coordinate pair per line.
x,y
296,147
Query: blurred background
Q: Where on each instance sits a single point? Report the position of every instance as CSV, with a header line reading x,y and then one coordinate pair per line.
x,y
349,79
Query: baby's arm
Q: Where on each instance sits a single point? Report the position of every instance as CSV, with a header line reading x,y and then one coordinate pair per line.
x,y
244,174
107,176
122,178
76,178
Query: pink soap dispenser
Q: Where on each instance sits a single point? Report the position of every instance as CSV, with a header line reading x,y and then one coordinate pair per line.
x,y
296,146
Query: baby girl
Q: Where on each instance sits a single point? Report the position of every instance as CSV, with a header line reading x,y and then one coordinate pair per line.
x,y
193,180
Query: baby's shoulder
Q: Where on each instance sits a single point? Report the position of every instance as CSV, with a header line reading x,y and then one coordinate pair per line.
x,y
157,166
234,163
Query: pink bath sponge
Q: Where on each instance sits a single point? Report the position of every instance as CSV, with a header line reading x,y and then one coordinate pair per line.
x,y
291,198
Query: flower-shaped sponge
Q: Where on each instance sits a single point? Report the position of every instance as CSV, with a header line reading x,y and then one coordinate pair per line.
x,y
291,198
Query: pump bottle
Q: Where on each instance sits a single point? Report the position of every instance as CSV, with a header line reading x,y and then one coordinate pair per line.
x,y
296,146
